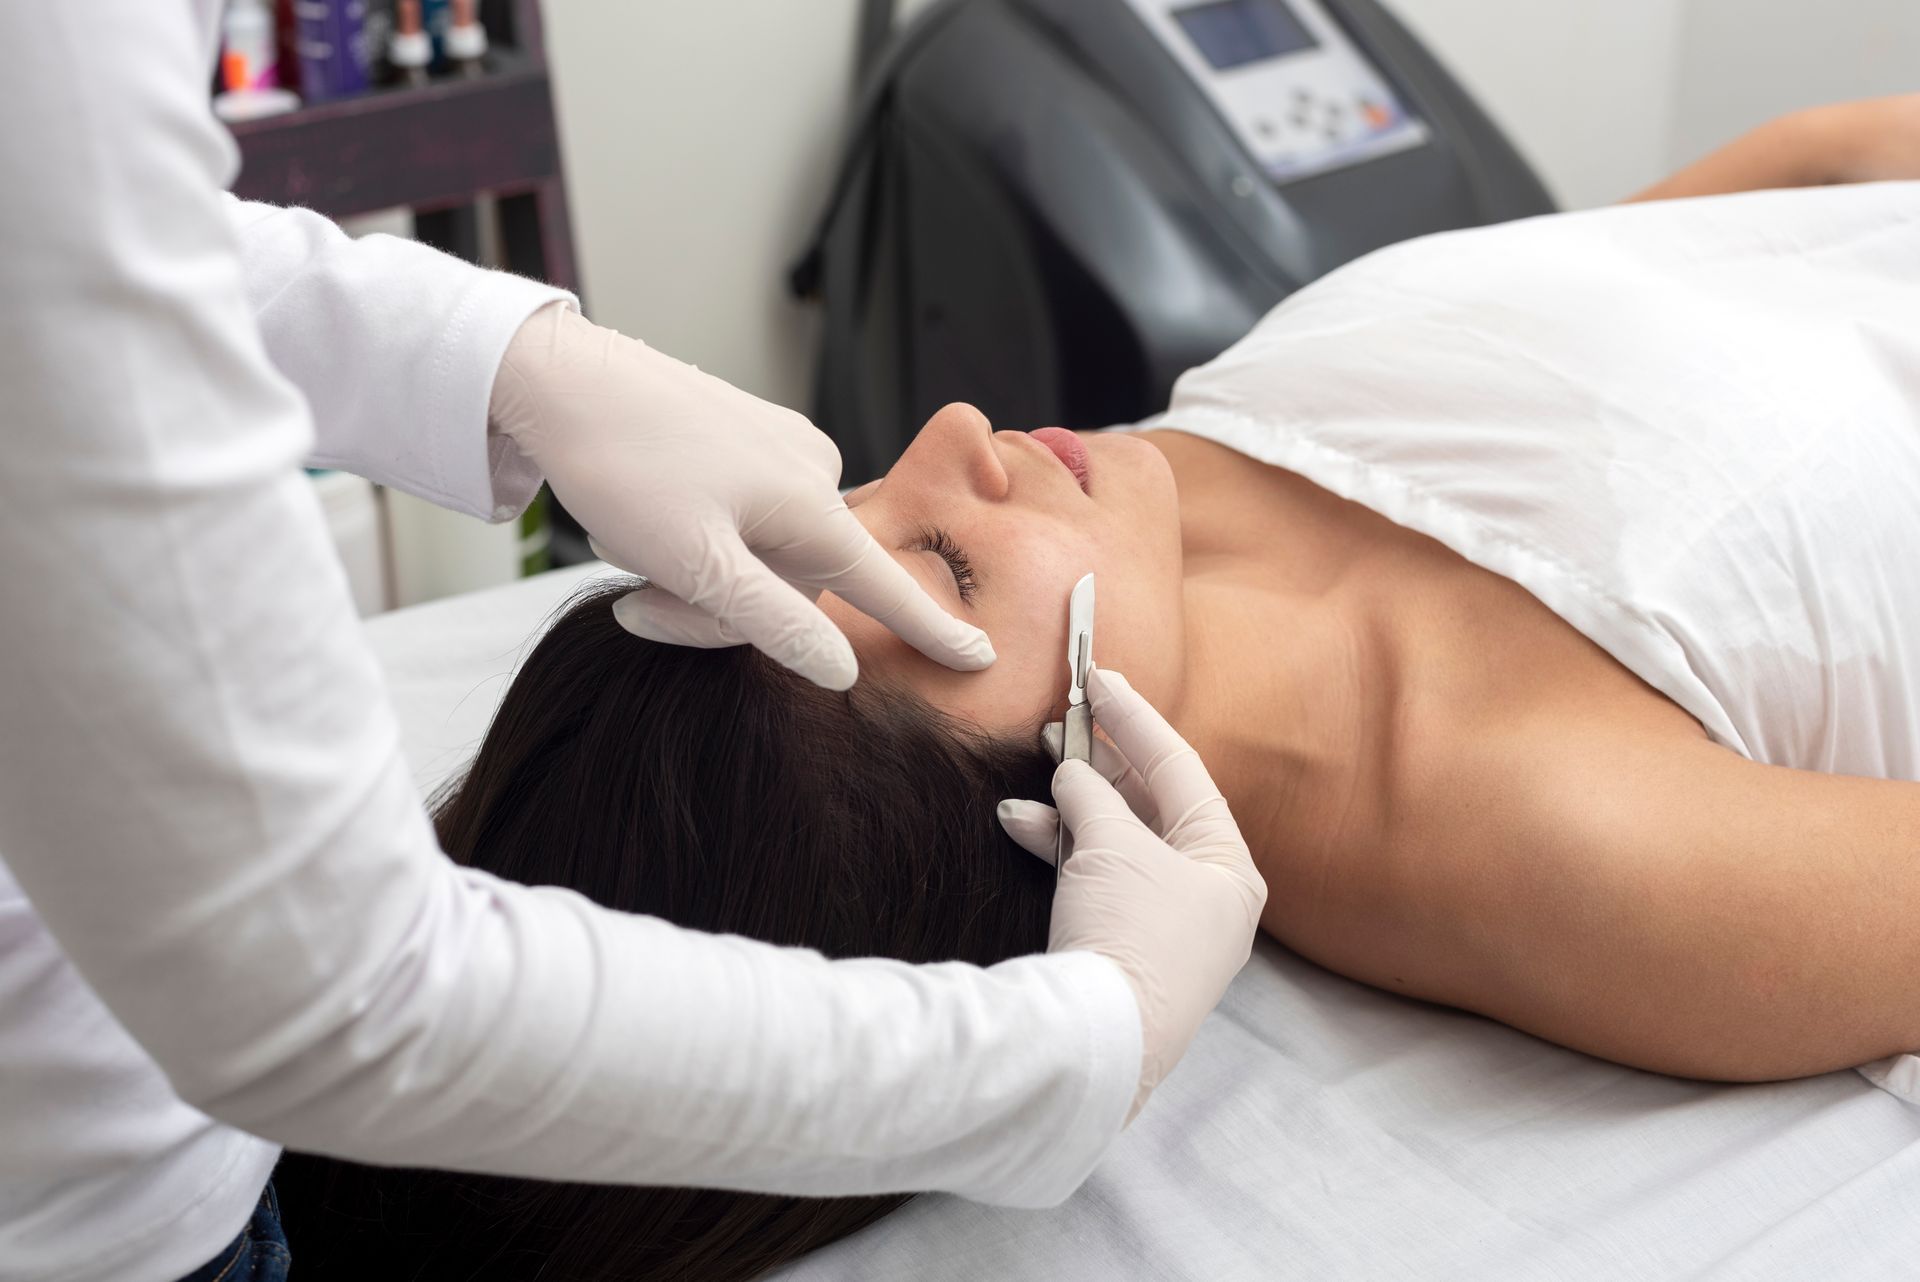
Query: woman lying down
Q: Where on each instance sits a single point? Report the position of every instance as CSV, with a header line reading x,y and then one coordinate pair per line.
x,y
1544,599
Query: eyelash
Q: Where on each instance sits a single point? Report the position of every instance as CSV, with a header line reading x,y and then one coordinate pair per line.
x,y
936,541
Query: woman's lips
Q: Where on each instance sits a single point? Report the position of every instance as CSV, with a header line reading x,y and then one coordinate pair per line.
x,y
1068,448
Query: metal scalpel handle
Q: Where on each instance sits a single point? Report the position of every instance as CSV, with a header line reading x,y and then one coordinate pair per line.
x,y
1076,740
1076,732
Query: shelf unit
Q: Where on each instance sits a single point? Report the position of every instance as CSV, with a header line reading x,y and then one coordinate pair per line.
x,y
438,150
435,149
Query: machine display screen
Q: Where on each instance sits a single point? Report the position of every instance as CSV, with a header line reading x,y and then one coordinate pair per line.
x,y
1232,33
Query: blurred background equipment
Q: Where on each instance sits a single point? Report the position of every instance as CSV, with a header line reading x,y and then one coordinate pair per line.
x,y
702,141
1053,208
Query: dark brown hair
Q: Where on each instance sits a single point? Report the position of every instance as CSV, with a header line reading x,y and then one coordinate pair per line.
x,y
716,790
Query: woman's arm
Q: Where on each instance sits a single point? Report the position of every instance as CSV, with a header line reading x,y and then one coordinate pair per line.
x,y
1672,905
1873,140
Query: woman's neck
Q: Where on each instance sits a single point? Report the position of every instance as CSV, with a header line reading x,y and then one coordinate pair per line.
x,y
1293,647
1284,703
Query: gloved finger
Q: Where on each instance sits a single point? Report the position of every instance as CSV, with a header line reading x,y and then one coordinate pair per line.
x,y
1190,805
1092,809
658,615
827,547
594,546
1113,767
613,558
820,448
733,586
1034,827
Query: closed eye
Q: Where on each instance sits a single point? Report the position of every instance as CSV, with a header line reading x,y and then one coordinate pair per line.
x,y
938,542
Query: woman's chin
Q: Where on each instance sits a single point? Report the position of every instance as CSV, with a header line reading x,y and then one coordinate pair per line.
x,y
1137,468
1132,477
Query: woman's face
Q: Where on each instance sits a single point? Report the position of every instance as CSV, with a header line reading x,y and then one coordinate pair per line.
x,y
999,528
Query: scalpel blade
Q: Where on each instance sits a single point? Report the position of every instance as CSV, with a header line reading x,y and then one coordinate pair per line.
x,y
1079,639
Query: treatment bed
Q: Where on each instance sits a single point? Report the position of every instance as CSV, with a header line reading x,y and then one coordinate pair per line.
x,y
1319,1129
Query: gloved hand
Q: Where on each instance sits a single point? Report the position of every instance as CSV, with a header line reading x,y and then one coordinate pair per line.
x,y
1160,880
726,503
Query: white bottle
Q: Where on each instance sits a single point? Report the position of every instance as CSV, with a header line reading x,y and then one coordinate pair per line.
x,y
247,31
250,64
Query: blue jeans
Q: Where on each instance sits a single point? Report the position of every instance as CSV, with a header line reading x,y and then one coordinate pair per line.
x,y
259,1254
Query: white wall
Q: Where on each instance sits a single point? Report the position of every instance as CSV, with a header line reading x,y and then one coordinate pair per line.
x,y
1606,98
1743,62
700,136
1582,88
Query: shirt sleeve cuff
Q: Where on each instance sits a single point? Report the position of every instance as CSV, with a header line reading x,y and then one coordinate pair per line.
x,y
483,473
1113,1051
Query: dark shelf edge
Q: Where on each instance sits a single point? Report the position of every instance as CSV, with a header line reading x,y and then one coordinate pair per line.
x,y
433,147
509,69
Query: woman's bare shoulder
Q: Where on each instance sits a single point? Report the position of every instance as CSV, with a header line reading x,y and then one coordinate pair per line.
x,y
1561,751
1534,764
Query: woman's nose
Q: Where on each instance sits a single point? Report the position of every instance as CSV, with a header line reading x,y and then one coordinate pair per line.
x,y
958,443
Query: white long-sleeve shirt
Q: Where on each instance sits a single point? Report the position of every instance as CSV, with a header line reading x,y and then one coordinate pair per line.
x,y
222,908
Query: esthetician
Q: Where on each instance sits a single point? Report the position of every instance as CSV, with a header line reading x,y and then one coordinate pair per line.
x,y
224,922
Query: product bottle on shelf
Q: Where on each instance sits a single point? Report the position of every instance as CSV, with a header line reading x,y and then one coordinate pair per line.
x,y
437,17
411,49
466,41
250,64
331,38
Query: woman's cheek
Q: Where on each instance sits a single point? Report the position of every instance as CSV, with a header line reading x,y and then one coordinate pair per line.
x,y
1034,578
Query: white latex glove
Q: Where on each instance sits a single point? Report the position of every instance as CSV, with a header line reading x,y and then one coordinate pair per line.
x,y
728,504
1160,880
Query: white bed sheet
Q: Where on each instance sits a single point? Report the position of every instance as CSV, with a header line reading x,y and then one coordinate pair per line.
x,y
1319,1129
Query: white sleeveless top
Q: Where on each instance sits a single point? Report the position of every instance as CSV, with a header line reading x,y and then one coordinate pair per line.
x,y
1690,428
